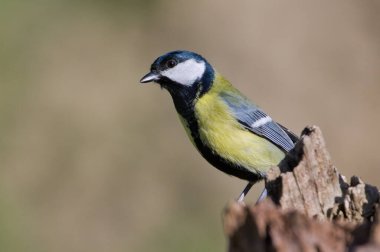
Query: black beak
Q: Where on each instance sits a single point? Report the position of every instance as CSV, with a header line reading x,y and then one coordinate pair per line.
x,y
149,77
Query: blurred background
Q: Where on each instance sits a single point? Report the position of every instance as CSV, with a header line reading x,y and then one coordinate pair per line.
x,y
93,161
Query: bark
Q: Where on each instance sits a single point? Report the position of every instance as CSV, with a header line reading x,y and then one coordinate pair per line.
x,y
310,207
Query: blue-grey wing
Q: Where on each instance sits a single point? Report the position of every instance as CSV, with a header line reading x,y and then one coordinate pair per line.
x,y
256,121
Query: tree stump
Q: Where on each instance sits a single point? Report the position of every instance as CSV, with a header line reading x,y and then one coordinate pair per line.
x,y
310,207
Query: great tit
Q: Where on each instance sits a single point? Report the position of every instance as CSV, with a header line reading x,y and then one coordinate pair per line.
x,y
229,131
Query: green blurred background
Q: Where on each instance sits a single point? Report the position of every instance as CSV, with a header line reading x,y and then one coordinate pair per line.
x,y
93,161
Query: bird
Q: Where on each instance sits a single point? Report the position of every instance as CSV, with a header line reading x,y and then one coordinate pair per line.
x,y
232,133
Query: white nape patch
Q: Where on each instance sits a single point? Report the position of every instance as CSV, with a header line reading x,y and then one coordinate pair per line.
x,y
261,122
186,73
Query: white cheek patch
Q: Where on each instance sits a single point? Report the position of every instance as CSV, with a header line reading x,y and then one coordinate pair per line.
x,y
186,73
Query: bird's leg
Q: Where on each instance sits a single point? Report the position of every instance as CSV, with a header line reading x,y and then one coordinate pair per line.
x,y
245,191
262,196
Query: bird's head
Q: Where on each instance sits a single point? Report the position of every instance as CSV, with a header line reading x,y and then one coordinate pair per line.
x,y
181,71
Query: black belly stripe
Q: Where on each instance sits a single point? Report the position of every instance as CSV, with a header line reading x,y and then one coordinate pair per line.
x,y
184,103
216,160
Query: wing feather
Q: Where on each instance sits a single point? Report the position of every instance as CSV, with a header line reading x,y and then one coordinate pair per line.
x,y
256,121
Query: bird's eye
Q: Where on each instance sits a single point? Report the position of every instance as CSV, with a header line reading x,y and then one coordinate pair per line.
x,y
171,63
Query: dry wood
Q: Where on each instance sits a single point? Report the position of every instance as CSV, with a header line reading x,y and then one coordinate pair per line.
x,y
314,208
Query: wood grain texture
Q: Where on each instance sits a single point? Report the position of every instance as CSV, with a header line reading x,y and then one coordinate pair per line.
x,y
310,207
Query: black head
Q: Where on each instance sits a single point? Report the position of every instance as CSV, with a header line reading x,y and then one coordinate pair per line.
x,y
181,72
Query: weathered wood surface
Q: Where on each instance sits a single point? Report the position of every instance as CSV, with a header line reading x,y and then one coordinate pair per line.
x,y
314,208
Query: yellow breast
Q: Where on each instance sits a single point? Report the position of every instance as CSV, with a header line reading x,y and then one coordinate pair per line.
x,y
227,137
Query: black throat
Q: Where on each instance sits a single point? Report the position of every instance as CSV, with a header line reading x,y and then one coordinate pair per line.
x,y
184,98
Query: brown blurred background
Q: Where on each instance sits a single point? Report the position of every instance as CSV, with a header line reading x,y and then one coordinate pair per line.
x,y
93,161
